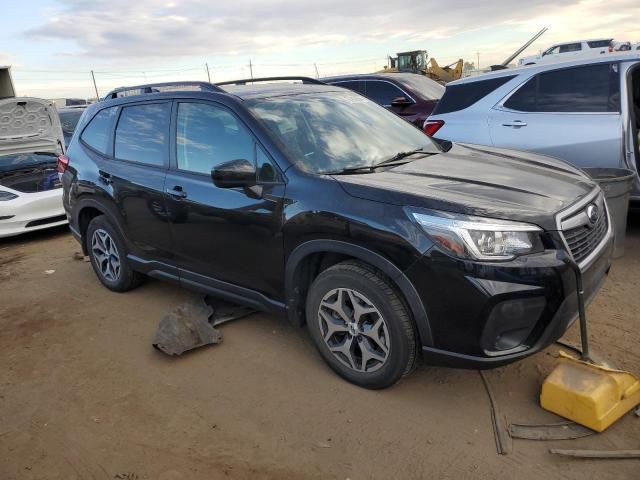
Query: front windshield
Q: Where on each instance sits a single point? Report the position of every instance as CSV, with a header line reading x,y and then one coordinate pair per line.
x,y
427,88
332,131
23,160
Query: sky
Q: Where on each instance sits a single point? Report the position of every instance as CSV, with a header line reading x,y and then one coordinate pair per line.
x,y
52,45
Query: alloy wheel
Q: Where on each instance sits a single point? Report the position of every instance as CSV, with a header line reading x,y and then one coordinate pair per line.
x,y
105,252
354,330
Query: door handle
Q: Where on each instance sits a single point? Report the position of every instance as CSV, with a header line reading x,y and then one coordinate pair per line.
x,y
515,124
176,192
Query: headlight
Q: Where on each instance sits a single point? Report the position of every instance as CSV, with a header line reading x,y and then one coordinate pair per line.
x,y
4,196
478,237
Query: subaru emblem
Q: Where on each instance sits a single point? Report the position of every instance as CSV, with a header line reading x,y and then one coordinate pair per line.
x,y
593,213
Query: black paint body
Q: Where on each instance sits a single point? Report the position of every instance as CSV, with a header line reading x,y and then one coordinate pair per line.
x,y
263,247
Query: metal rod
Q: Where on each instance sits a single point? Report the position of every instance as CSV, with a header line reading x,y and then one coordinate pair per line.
x,y
94,84
582,316
251,69
524,47
208,75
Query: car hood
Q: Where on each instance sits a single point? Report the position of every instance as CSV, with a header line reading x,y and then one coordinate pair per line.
x,y
478,180
29,125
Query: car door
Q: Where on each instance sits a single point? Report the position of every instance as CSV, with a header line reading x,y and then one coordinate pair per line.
x,y
570,113
135,175
228,235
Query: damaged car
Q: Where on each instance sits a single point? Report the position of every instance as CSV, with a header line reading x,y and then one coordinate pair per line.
x,y
315,203
31,140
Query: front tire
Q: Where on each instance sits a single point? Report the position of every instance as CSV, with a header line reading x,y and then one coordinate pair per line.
x,y
360,325
108,256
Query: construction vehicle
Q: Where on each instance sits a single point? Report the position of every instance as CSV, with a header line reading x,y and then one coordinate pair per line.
x,y
415,61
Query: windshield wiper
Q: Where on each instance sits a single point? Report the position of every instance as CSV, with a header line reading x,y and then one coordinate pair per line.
x,y
393,161
401,155
362,169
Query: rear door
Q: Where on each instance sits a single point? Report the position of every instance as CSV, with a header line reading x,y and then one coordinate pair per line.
x,y
571,113
135,174
230,235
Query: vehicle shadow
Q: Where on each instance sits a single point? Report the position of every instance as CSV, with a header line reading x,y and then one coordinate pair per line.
x,y
36,236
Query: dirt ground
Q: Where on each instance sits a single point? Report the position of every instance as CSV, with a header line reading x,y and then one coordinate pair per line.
x,y
83,395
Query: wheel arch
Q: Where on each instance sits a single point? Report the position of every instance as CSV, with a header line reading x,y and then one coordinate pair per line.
x,y
299,275
86,210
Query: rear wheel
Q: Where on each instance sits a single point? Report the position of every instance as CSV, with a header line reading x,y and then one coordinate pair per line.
x,y
360,325
108,256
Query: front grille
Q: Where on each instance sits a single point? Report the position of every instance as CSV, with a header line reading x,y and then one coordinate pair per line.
x,y
582,236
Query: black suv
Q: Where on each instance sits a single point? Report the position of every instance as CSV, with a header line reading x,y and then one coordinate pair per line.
x,y
314,202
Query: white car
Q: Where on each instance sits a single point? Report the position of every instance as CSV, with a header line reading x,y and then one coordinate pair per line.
x,y
585,112
31,141
564,51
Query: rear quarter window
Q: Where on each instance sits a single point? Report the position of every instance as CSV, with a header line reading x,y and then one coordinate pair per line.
x,y
142,133
459,97
97,133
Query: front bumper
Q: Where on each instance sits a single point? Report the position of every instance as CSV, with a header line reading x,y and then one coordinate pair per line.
x,y
485,315
31,211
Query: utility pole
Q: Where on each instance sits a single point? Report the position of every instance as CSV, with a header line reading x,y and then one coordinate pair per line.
x,y
316,67
478,54
251,69
208,76
94,85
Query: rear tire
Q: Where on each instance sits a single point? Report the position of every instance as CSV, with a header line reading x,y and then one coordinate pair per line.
x,y
108,256
360,326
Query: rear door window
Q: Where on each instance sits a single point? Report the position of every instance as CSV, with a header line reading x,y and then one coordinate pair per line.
x,y
588,89
459,97
570,47
355,85
97,133
382,93
142,133
599,43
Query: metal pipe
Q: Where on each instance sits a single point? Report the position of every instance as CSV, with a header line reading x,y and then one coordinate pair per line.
x,y
582,315
523,48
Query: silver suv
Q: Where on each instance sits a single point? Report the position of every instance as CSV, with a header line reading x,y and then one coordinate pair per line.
x,y
586,112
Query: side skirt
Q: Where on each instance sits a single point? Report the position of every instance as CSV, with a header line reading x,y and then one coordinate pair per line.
x,y
207,285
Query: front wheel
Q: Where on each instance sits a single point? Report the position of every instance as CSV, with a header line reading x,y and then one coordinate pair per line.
x,y
360,326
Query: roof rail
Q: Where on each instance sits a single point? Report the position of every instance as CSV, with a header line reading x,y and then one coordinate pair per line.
x,y
306,80
162,87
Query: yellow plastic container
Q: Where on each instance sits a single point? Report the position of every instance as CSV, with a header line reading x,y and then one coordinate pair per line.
x,y
588,394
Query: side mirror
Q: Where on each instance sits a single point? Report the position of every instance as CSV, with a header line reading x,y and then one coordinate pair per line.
x,y
234,173
400,102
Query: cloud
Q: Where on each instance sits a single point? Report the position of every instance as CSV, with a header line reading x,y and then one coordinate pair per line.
x,y
148,28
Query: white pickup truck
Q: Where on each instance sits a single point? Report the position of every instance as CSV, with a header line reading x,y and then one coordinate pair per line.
x,y
564,51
